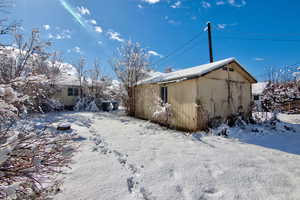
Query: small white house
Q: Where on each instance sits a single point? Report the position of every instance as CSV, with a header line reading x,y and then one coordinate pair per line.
x,y
258,89
257,93
69,90
69,85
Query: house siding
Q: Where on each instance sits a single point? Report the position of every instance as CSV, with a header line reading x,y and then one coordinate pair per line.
x,y
219,93
63,97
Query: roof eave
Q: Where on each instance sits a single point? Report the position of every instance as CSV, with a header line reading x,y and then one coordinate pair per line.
x,y
239,64
230,60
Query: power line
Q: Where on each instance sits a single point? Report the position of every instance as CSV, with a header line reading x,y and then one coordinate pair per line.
x,y
185,50
257,39
178,49
254,34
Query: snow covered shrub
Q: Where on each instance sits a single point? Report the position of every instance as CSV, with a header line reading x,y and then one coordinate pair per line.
x,y
282,97
215,122
29,161
261,117
9,105
236,120
92,107
28,94
162,112
50,105
221,130
8,113
34,92
80,104
86,104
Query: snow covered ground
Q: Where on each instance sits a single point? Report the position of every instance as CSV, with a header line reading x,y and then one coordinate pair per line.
x,y
122,158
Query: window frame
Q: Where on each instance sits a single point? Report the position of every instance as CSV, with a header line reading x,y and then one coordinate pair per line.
x,y
164,94
73,92
70,92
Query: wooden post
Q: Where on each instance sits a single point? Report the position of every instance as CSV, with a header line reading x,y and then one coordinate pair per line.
x,y
211,58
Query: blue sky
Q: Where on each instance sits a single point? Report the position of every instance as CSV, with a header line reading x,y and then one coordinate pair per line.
x,y
258,33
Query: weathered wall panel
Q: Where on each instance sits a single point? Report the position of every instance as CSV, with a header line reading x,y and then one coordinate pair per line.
x,y
145,100
220,93
182,97
222,97
62,96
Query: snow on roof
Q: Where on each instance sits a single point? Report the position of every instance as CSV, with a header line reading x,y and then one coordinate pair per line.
x,y
68,80
68,76
187,73
115,85
259,87
297,75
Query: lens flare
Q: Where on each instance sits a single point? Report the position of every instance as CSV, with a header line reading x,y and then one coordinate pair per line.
x,y
74,13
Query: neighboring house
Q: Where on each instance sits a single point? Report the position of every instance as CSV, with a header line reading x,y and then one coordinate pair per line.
x,y
68,85
69,89
197,94
257,93
297,75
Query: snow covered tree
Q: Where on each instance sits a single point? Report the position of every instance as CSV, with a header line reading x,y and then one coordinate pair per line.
x,y
80,68
99,82
280,74
5,26
29,158
296,74
28,51
130,64
49,64
28,71
282,97
95,76
282,94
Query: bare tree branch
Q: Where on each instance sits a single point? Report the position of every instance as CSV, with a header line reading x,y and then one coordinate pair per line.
x,y
131,64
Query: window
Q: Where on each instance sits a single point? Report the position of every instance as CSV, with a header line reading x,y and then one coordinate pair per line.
x,y
73,92
70,91
164,94
256,97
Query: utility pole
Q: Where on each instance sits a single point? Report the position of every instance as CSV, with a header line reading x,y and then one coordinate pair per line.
x,y
211,58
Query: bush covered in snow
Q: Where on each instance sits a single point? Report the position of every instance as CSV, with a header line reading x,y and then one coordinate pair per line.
x,y
282,97
30,94
86,104
162,112
27,74
29,160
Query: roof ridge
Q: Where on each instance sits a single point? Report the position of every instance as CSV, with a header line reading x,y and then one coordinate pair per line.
x,y
188,72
